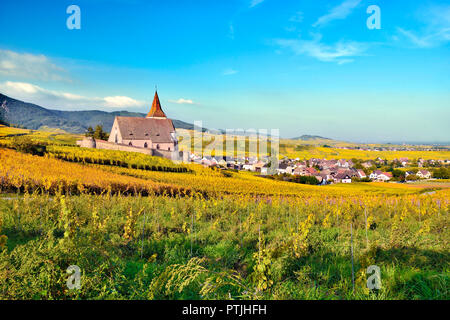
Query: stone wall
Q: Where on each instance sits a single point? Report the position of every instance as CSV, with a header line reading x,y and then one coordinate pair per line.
x,y
164,146
101,144
138,143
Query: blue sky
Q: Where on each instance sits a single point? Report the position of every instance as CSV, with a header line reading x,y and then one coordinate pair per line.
x,y
304,67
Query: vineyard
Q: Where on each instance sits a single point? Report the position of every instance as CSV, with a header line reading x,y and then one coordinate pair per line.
x,y
235,248
197,233
115,158
22,172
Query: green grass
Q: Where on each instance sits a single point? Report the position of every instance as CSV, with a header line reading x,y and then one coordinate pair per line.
x,y
171,256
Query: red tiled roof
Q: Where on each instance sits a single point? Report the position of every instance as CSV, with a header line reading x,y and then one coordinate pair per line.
x,y
156,130
156,111
311,170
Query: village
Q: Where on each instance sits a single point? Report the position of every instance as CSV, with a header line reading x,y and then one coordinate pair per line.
x,y
155,135
329,171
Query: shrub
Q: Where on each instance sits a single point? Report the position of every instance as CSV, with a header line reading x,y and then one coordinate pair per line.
x,y
25,144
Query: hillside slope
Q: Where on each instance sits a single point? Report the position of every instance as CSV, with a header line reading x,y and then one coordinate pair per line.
x,y
32,116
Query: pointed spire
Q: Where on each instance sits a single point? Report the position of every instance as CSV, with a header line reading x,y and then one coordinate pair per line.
x,y
156,111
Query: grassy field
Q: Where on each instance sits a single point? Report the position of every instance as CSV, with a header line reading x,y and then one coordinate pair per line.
x,y
194,248
203,234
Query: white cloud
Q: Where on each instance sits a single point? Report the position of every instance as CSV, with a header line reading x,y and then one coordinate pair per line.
x,y
182,101
254,3
229,72
436,30
339,12
340,52
30,66
122,102
63,100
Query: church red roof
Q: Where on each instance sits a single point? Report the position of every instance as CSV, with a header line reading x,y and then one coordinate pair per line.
x,y
156,111
156,130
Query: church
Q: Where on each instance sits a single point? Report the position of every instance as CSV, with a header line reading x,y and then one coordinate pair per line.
x,y
153,134
155,131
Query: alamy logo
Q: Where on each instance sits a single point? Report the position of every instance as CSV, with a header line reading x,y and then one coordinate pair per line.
x,y
374,21
74,280
374,281
74,20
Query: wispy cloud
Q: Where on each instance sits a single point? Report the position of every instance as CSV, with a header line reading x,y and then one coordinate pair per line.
x,y
30,66
64,100
231,31
341,52
436,29
229,72
182,101
339,12
294,20
254,3
298,17
419,41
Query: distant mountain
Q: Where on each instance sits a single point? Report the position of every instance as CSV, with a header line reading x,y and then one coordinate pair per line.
x,y
32,116
307,137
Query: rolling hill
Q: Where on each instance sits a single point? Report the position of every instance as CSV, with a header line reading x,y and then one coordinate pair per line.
x,y
32,116
307,137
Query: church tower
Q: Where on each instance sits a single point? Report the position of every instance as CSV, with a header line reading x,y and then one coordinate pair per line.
x,y
156,110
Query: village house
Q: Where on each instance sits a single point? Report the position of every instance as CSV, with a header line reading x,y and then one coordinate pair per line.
x,y
343,163
374,174
282,168
408,173
367,164
265,168
384,176
361,174
424,174
299,171
311,172
403,161
221,161
257,167
342,178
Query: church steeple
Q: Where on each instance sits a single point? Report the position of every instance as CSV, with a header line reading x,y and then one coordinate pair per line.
x,y
156,111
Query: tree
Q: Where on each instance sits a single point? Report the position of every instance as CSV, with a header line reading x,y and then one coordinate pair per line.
x,y
396,164
398,175
412,177
441,173
100,134
89,132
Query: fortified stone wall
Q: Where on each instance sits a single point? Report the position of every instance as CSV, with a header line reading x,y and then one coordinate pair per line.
x,y
101,144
